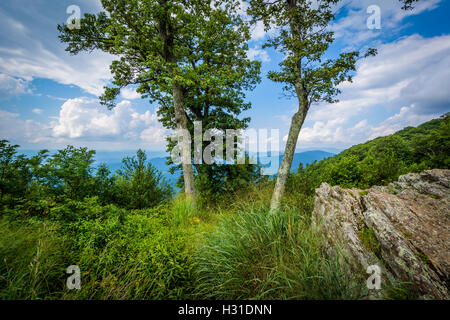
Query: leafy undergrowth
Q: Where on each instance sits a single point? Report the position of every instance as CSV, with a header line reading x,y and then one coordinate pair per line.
x,y
169,252
232,250
137,254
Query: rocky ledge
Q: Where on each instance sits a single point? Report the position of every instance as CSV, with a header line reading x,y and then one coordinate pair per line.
x,y
404,228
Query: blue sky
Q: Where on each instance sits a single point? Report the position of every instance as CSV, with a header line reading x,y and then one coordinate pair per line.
x,y
48,99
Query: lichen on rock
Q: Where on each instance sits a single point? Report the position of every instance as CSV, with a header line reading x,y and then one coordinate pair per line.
x,y
407,224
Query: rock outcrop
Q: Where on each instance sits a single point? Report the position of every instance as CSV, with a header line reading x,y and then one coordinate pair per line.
x,y
404,228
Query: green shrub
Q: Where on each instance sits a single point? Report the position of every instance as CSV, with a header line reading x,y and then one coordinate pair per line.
x,y
181,211
384,159
135,256
122,254
258,255
139,185
216,181
370,241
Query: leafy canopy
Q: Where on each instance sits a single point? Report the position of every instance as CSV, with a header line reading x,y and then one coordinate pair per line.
x,y
303,37
198,44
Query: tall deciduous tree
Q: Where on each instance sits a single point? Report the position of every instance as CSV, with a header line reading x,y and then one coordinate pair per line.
x,y
303,38
139,184
174,51
216,96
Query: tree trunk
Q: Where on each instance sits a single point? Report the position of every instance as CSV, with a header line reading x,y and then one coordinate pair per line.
x,y
296,125
166,36
181,121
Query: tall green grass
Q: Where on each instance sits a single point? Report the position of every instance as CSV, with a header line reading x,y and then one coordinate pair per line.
x,y
258,255
181,211
138,254
32,260
239,251
142,255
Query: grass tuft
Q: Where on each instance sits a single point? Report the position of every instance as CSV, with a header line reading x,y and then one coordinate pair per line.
x,y
258,255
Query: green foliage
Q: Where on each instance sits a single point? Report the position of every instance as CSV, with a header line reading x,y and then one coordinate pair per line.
x,y
136,255
122,254
258,255
69,172
433,143
370,241
69,213
139,185
195,44
181,212
399,290
37,185
345,172
197,48
214,182
303,38
383,160
105,184
18,174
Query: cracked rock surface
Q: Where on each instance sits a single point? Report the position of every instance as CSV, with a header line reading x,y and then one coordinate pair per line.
x,y
408,220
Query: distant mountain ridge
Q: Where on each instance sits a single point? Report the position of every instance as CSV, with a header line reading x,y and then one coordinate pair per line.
x,y
308,157
305,158
114,160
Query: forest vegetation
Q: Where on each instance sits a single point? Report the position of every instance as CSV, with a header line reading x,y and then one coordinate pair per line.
x,y
134,238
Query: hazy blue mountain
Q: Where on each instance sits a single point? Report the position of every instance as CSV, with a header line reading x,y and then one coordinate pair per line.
x,y
308,157
114,160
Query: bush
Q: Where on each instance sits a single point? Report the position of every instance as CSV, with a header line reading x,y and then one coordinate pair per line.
x,y
181,212
139,185
122,254
68,173
131,256
258,255
218,181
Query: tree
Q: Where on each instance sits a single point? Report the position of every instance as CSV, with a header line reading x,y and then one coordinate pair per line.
x,y
182,54
17,173
139,184
216,181
69,172
7,166
216,97
433,147
105,184
303,38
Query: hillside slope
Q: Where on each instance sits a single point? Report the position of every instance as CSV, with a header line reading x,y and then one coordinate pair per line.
x,y
384,159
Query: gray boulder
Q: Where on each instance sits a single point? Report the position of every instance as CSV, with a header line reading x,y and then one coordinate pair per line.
x,y
404,228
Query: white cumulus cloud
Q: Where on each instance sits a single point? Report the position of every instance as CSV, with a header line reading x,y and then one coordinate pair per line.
x,y
259,54
130,94
353,30
30,48
37,110
85,119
